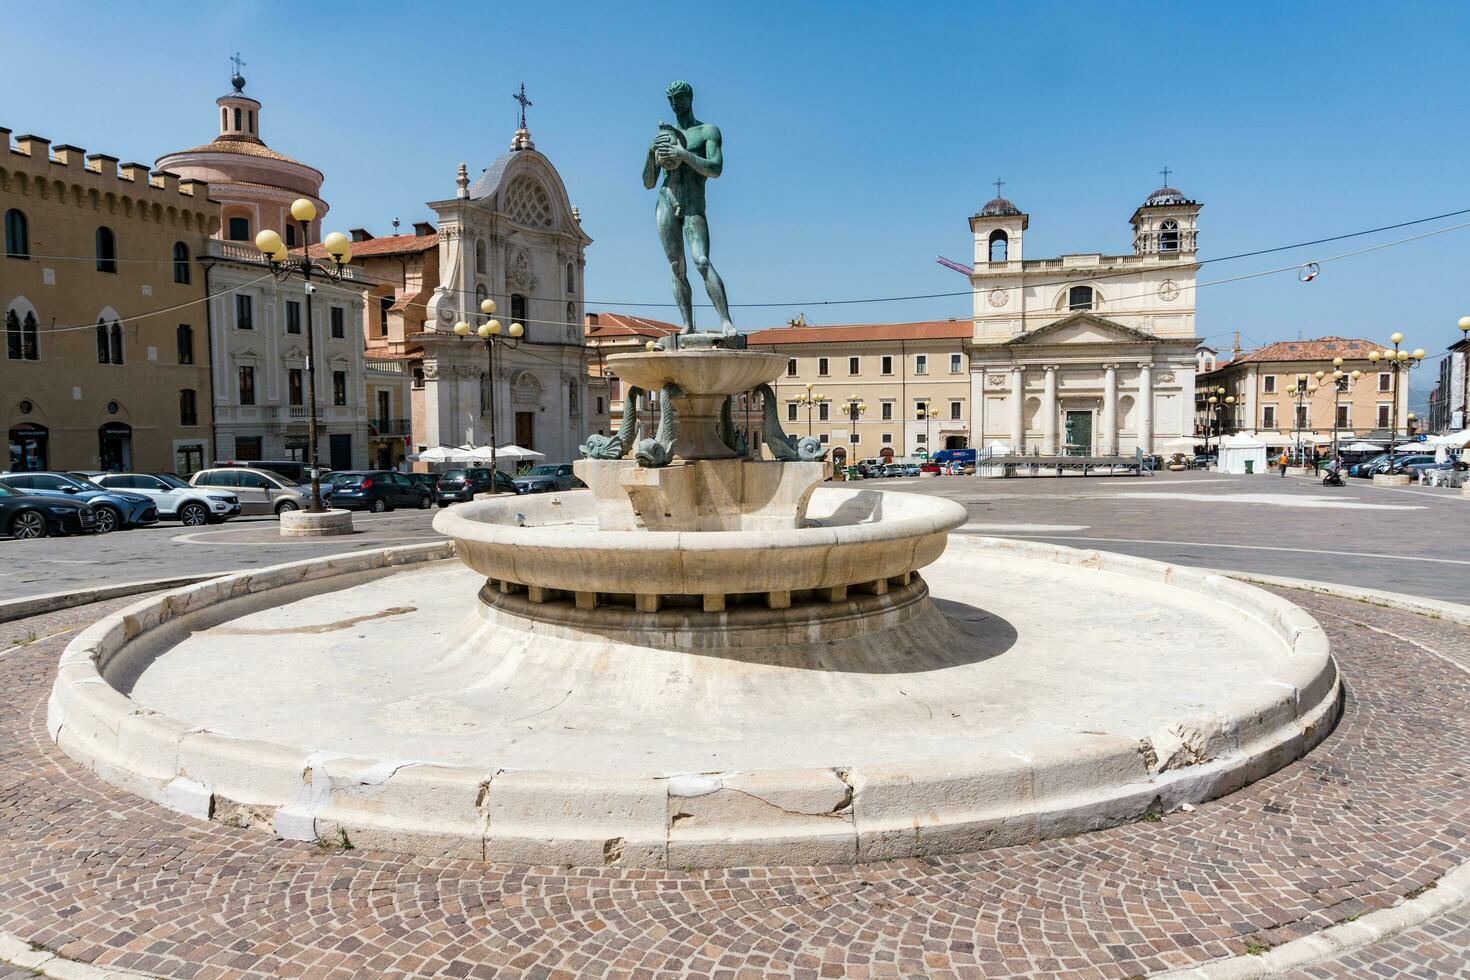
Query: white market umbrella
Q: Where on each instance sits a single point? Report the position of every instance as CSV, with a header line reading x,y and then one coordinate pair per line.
x,y
1452,440
1363,447
443,454
512,451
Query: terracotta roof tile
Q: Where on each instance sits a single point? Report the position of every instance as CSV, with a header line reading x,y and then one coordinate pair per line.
x,y
621,325
1320,349
848,333
244,147
388,245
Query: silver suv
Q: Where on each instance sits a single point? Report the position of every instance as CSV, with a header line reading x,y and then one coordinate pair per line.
x,y
259,491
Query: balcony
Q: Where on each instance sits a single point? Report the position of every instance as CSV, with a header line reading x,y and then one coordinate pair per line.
x,y
390,428
247,253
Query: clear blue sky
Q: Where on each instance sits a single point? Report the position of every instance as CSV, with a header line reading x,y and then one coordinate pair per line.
x,y
858,136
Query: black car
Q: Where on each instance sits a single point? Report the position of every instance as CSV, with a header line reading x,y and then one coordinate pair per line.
x,y
457,486
23,515
428,481
546,478
376,490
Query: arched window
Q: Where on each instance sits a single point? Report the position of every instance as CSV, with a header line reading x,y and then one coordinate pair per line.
x,y
1079,298
571,279
106,250
30,338
1000,245
224,118
104,351
1169,236
518,308
290,235
181,263
479,256
12,336
188,407
250,115
237,119
117,343
17,235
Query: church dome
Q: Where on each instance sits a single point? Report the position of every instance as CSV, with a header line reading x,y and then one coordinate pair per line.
x,y
998,207
1165,196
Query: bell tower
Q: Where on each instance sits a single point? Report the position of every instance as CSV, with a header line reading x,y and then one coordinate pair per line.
x,y
998,230
1167,224
239,114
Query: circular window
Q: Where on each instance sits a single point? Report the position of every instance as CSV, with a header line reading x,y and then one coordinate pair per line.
x,y
26,406
112,408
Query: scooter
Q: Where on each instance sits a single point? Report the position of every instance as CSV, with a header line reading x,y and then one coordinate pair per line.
x,y
1332,479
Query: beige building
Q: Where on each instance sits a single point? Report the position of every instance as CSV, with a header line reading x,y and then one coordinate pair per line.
x,y
89,381
1087,353
1260,383
913,378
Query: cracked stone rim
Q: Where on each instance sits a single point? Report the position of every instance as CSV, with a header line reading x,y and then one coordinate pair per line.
x,y
802,816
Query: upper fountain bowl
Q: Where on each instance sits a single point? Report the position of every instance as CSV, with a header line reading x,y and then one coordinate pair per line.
x,y
698,372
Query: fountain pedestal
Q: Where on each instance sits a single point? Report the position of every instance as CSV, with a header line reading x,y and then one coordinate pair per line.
x,y
701,495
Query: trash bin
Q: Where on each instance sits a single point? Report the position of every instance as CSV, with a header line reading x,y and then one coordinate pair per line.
x,y
1250,467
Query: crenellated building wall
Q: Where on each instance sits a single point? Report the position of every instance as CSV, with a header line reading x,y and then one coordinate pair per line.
x,y
91,376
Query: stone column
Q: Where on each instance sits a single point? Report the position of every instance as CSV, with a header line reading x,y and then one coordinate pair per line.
x,y
1049,413
1146,406
1109,440
1018,408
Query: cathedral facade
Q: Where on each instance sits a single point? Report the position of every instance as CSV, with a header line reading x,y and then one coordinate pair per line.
x,y
512,236
1086,354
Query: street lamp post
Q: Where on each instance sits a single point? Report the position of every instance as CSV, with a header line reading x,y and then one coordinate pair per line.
x,y
283,267
810,401
1216,403
1399,362
1340,383
924,414
853,408
1464,325
488,332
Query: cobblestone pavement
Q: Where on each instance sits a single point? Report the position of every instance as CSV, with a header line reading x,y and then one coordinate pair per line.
x,y
1438,948
1380,809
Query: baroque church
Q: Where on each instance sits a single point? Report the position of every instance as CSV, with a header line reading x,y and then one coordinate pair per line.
x,y
1086,354
512,236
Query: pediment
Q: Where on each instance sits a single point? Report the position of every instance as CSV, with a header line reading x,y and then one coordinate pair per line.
x,y
1084,328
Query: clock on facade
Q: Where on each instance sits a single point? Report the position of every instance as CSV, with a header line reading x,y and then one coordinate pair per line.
x,y
1168,291
998,297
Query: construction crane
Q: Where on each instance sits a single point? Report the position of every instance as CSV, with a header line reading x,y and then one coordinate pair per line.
x,y
968,270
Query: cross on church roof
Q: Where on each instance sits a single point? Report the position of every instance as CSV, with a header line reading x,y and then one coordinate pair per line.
x,y
998,184
521,98
1166,172
238,62
237,79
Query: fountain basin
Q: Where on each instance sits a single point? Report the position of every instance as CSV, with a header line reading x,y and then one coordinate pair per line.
x,y
549,549
356,695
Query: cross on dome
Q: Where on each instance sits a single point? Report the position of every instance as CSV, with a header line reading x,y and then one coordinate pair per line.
x,y
237,79
998,184
1166,172
521,98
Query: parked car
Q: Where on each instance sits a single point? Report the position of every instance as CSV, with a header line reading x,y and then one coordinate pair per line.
x,y
427,480
26,515
259,491
457,486
547,477
377,491
912,469
295,470
1365,468
1401,463
1203,461
176,499
114,509
892,469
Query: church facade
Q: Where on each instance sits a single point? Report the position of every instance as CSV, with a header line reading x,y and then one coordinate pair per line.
x,y
1086,354
511,236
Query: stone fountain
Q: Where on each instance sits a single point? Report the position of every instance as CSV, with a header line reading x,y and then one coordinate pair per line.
x,y
709,656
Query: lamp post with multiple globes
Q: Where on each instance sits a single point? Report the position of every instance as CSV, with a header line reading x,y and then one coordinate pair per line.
x,y
1464,326
923,414
853,408
810,401
488,332
1399,363
1217,402
1304,389
1341,382
283,267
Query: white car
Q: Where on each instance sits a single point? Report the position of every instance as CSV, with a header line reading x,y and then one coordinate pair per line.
x,y
176,499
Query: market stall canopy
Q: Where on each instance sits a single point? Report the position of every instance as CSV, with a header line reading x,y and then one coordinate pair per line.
x,y
512,451
1363,447
1451,440
442,454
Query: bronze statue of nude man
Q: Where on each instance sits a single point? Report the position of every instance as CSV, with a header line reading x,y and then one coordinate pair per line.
x,y
689,154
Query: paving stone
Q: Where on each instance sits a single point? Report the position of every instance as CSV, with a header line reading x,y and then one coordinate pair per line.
x,y
1380,809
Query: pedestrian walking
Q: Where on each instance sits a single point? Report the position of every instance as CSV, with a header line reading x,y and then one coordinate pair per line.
x,y
1282,462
